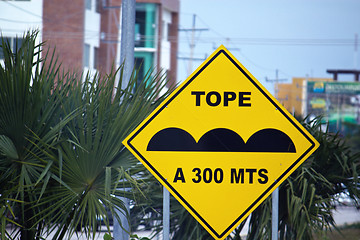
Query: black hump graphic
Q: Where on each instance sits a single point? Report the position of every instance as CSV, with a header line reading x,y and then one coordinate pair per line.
x,y
172,139
270,140
221,140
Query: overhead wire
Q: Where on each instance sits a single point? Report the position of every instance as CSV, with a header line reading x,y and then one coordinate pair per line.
x,y
23,10
17,21
231,42
50,19
221,37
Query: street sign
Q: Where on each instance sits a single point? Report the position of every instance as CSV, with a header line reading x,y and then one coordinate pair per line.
x,y
220,143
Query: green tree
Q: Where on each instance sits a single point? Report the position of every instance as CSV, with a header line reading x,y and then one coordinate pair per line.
x,y
62,163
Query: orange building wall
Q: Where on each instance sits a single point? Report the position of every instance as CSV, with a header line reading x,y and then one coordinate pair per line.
x,y
292,95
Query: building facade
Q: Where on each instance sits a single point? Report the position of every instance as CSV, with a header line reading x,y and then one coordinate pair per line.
x,y
87,33
293,96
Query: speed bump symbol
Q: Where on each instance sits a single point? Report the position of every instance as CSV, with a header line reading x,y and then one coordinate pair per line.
x,y
221,140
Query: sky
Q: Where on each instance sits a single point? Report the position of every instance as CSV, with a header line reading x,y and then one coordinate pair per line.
x,y
296,38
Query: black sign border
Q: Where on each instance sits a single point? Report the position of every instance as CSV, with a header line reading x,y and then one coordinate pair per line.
x,y
259,199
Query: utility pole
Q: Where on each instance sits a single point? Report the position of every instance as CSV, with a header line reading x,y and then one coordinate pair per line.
x,y
193,29
127,38
276,82
356,52
192,44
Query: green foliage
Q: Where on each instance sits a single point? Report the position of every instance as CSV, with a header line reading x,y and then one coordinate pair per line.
x,y
62,162
136,237
108,237
353,137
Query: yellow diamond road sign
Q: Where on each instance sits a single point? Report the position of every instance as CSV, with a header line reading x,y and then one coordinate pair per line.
x,y
220,143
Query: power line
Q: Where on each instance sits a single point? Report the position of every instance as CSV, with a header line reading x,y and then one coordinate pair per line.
x,y
236,48
245,41
285,41
49,19
21,9
276,82
16,21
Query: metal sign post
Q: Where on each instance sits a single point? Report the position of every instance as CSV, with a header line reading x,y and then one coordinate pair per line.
x,y
166,214
275,215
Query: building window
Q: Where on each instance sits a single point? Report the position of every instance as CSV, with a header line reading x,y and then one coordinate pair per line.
x,y
15,44
144,62
97,6
166,30
88,4
140,29
145,22
96,58
169,32
139,66
86,56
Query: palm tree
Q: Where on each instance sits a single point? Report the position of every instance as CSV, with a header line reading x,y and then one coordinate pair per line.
x,y
30,113
62,162
95,163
